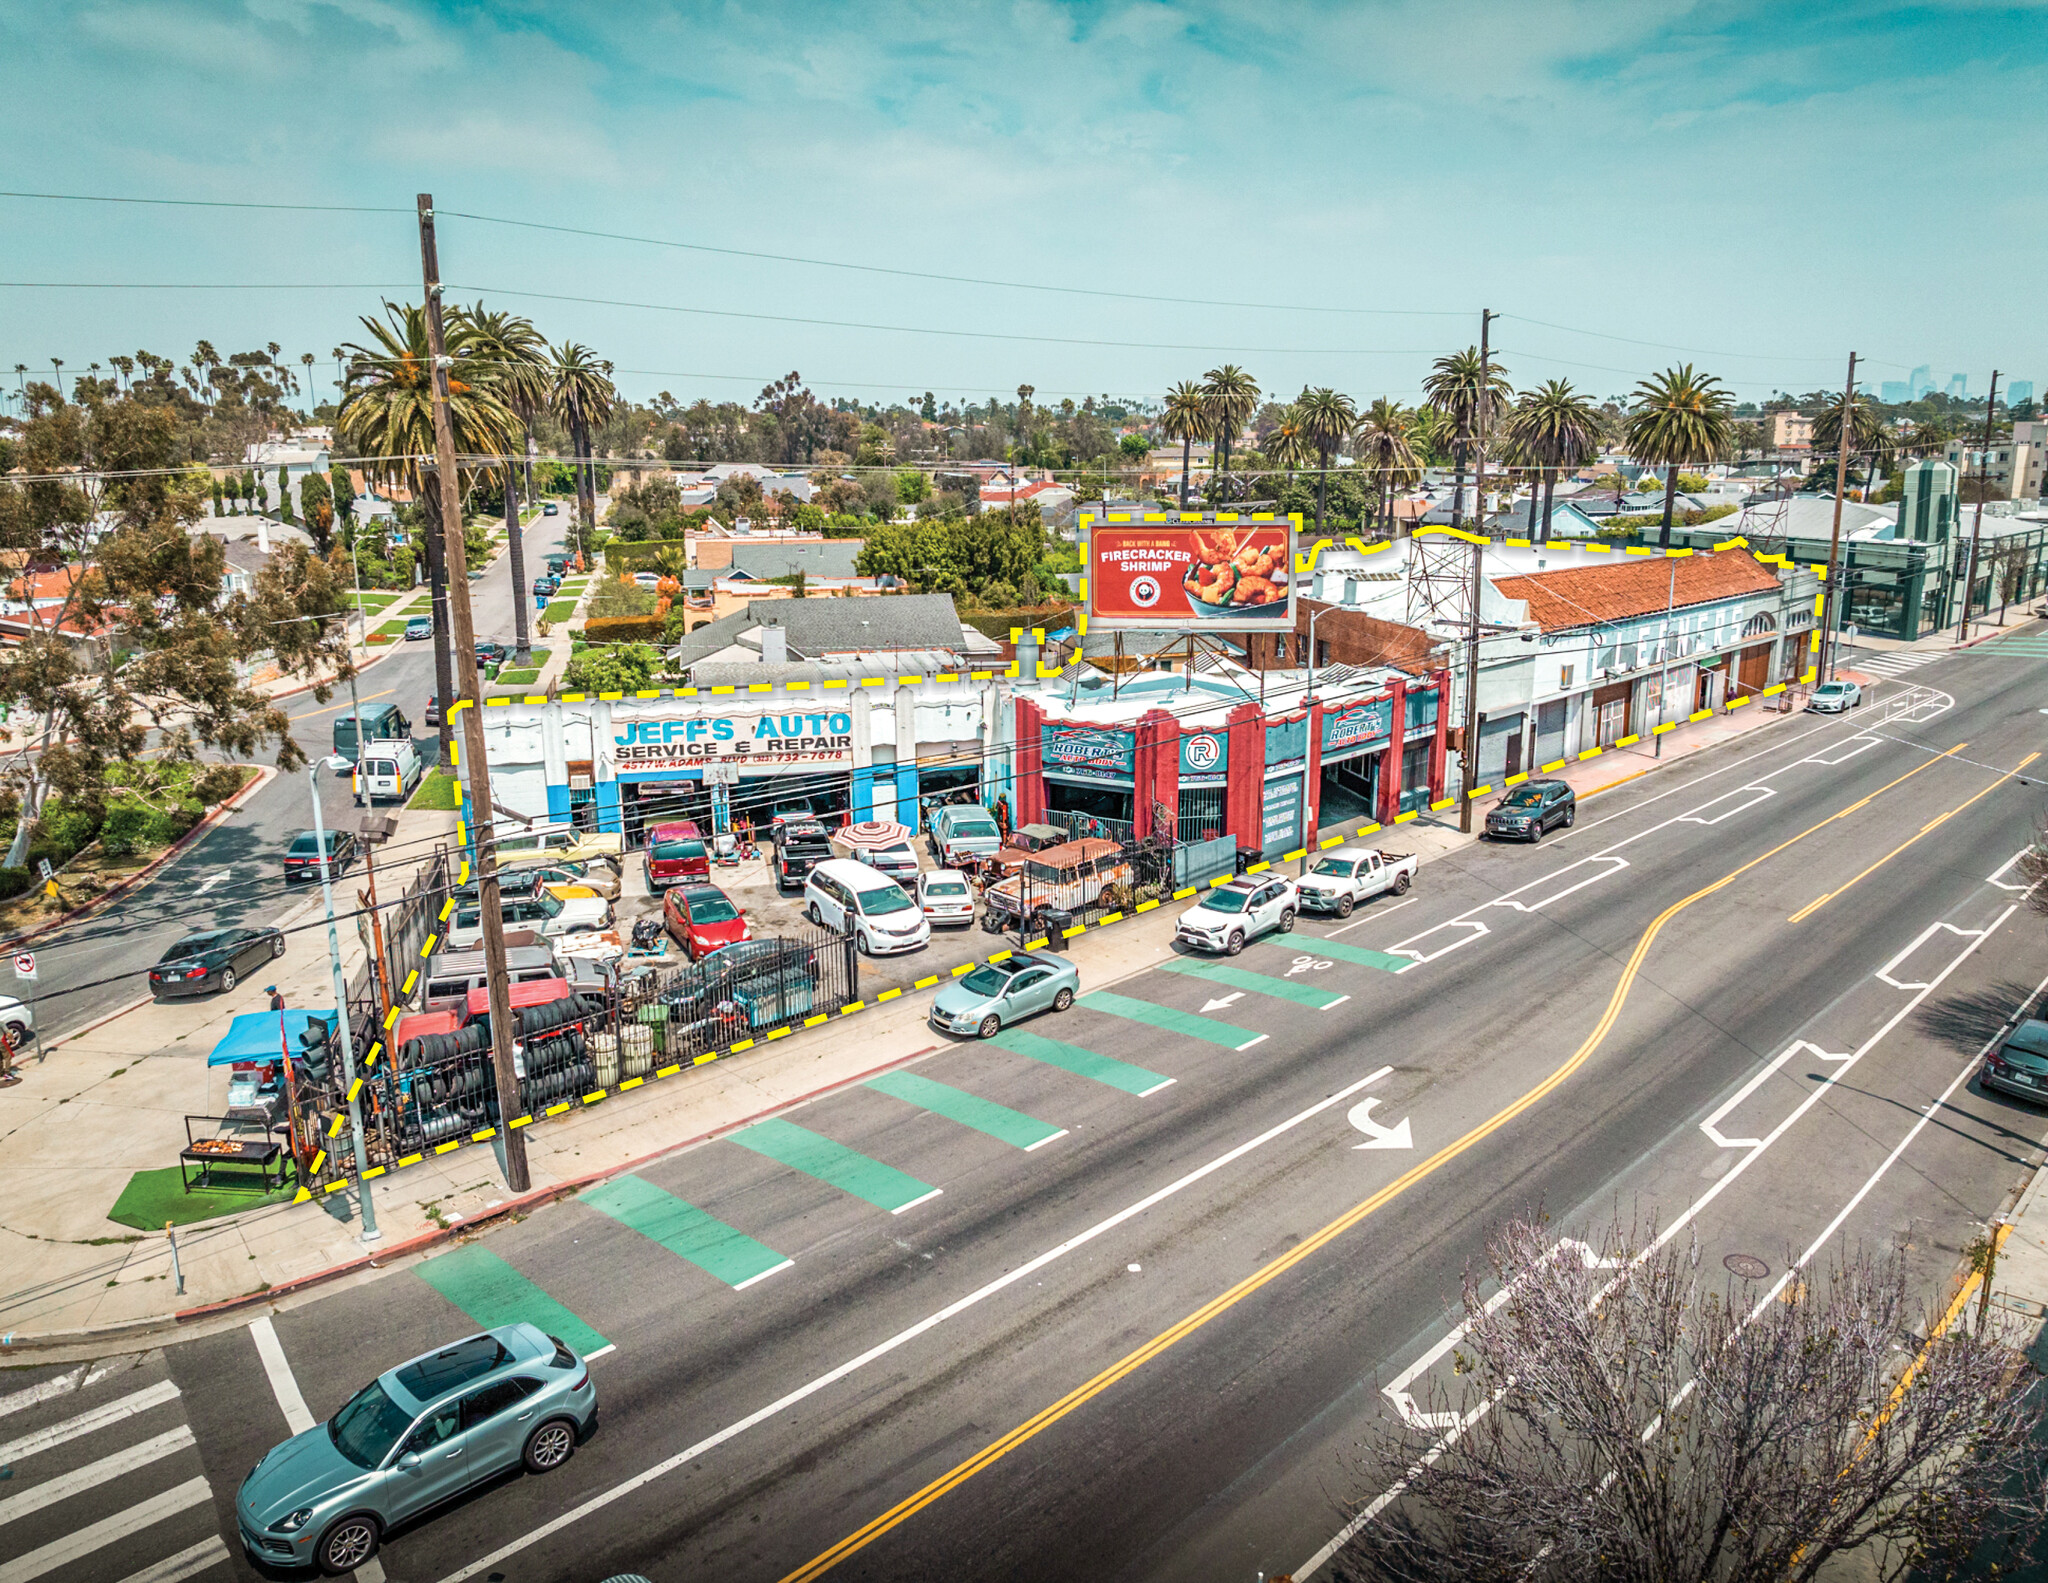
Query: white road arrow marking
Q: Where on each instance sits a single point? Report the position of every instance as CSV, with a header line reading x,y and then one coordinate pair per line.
x,y
1217,1005
212,880
1376,1136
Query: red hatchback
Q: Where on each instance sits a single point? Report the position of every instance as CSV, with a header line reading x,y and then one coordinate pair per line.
x,y
702,919
676,855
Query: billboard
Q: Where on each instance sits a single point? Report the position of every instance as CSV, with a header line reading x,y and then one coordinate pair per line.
x,y
1219,572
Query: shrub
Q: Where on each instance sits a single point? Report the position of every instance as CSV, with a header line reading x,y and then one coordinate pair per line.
x,y
218,784
14,881
624,629
618,668
126,828
63,833
621,596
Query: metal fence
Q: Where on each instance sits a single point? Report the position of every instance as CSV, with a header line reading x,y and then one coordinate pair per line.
x,y
408,921
744,991
1083,825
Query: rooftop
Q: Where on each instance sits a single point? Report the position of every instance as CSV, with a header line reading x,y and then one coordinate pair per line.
x,y
1619,591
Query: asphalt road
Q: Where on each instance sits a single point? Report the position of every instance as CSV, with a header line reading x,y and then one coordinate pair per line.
x,y
233,875
1119,1298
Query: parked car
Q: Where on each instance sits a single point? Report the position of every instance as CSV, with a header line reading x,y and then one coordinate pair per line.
x,y
799,846
388,772
676,853
432,714
597,877
412,1439
881,914
379,723
558,566
946,896
418,628
2020,1065
963,831
17,1022
1340,880
702,919
212,959
1068,878
788,810
1231,915
544,587
490,652
1831,698
525,846
451,975
1532,808
537,909
302,857
550,509
899,862
1029,838
997,994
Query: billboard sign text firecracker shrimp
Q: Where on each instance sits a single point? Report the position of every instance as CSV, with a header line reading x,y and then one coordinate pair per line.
x,y
1206,575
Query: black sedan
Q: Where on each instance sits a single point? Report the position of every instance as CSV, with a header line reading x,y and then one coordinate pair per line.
x,y
302,857
213,959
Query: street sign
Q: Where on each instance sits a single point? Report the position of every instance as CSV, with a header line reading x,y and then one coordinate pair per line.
x,y
43,867
25,965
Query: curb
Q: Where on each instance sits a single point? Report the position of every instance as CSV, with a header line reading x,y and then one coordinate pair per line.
x,y
265,774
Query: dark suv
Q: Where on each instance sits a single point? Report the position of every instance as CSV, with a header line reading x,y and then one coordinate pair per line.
x,y
1532,808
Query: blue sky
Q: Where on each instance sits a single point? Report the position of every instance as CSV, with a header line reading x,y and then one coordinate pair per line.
x,y
1760,188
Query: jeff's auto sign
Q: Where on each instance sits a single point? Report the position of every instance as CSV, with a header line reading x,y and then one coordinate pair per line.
x,y
667,743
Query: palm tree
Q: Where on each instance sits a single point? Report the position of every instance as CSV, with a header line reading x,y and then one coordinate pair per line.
x,y
1231,396
1465,391
1554,427
1869,435
1288,444
583,396
1327,420
1186,420
1679,417
519,354
388,416
307,359
1386,448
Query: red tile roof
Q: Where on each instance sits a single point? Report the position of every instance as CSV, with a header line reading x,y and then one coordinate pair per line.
x,y
1638,586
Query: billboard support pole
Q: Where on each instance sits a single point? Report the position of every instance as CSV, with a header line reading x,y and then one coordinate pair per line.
x,y
1468,757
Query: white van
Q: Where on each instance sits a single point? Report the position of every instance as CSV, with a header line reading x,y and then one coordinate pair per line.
x,y
387,772
884,918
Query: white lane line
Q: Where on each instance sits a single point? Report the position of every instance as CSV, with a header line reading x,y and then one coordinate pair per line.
x,y
607,1348
1147,1093
925,1198
283,1385
741,1286
82,1542
187,1563
85,1423
902,1338
94,1474
1042,1142
63,1384
1261,1039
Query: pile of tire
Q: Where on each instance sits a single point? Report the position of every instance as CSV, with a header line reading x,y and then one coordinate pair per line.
x,y
455,1097
556,1069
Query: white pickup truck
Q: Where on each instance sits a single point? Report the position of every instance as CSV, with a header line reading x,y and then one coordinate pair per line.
x,y
1340,880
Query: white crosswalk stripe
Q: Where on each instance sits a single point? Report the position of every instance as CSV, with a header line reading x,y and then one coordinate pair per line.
x,y
93,1474
72,1547
1894,664
187,1563
87,1422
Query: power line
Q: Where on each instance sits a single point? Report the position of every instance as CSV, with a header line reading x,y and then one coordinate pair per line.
x,y
212,203
194,285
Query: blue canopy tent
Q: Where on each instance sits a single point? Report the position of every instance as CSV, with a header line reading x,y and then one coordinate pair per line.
x,y
253,1036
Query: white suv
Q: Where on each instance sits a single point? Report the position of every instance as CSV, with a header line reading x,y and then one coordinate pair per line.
x,y
883,917
1226,917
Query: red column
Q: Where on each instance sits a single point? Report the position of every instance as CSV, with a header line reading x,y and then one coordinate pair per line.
x,y
1311,790
1244,797
1158,770
1440,749
1390,760
1030,769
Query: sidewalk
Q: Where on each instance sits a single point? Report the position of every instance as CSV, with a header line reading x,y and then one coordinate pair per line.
x,y
72,1271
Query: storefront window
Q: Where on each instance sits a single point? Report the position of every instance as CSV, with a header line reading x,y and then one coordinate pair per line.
x,y
1415,775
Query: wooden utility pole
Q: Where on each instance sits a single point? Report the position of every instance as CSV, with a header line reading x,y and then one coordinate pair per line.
x,y
1469,775
1828,643
1977,523
475,766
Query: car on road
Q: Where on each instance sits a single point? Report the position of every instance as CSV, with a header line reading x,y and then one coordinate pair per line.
x,y
1340,880
946,896
997,994
387,772
302,857
558,566
432,714
880,914
2020,1065
376,723
702,919
1532,808
550,509
419,628
1228,917
212,959
414,1438
543,587
1831,698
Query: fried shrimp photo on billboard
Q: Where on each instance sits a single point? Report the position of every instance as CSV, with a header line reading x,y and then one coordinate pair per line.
x,y
1231,572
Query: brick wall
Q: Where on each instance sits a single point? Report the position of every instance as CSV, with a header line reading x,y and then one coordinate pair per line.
x,y
1348,637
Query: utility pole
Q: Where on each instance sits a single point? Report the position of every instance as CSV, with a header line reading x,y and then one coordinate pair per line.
x,y
1829,593
1977,523
1469,758
476,770
344,1034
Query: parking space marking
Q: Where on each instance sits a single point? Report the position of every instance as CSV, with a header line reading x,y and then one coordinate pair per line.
x,y
492,1293
1185,1023
834,1164
720,1251
1385,961
1256,983
969,1110
1106,1069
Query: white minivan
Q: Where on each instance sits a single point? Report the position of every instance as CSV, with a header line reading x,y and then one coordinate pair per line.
x,y
387,772
883,917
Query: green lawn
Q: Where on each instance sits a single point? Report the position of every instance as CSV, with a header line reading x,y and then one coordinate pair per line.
x,y
518,678
438,790
153,1197
391,629
560,610
378,602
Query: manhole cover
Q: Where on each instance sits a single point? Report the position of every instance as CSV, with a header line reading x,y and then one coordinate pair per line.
x,y
1746,1265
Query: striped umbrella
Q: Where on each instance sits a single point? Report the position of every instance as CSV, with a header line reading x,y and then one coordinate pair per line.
x,y
871,835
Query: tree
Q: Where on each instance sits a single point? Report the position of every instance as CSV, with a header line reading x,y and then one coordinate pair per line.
x,y
344,494
582,396
231,486
1134,447
387,414
1870,433
217,498
913,485
1553,427
1327,420
1288,445
517,351
284,494
316,505
1467,392
1386,448
1679,416
1625,1418
1187,420
612,668
1230,396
